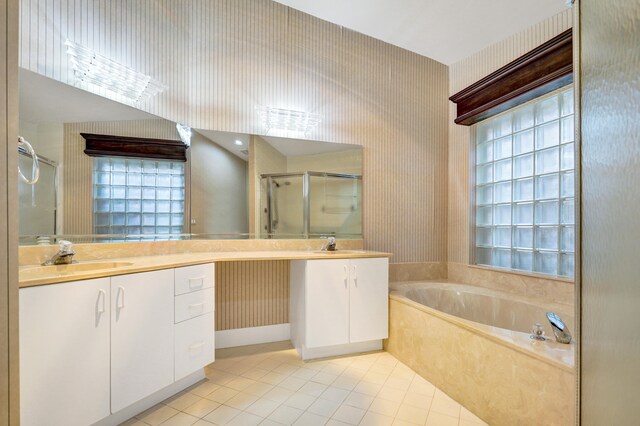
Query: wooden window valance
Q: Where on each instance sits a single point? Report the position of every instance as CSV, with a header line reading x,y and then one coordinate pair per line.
x,y
542,70
123,146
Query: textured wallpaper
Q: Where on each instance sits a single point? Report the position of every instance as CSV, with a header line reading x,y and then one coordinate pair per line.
x,y
222,58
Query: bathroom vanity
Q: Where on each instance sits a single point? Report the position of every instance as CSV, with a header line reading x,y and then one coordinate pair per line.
x,y
339,306
108,343
114,342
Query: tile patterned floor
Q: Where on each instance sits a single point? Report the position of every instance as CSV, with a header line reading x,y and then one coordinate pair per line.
x,y
269,385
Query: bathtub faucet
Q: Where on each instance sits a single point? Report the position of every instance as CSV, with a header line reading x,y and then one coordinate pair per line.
x,y
559,328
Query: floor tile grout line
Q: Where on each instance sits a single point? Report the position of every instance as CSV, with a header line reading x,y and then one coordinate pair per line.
x,y
382,363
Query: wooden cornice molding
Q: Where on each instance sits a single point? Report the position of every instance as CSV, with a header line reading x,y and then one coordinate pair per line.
x,y
540,71
123,146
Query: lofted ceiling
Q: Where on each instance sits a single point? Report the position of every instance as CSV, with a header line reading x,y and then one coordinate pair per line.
x,y
44,100
444,30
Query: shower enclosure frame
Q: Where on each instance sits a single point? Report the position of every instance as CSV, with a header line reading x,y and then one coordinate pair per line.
x,y
306,223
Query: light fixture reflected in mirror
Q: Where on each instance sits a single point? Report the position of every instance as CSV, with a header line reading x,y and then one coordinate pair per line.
x,y
288,122
94,72
185,133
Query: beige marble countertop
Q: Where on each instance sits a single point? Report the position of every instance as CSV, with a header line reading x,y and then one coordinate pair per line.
x,y
34,275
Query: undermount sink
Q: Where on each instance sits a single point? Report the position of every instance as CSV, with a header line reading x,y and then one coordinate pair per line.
x,y
76,267
339,252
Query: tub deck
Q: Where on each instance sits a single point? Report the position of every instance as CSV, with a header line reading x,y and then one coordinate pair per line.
x,y
501,375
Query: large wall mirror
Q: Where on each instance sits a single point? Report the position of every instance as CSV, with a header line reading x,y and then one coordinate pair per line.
x,y
111,172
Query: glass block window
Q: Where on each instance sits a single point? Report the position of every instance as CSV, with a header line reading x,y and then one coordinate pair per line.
x,y
524,189
137,196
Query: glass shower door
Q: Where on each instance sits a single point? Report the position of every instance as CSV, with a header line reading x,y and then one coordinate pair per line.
x,y
283,215
335,205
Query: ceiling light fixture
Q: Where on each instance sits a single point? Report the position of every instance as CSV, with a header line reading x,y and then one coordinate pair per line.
x,y
287,120
93,70
238,142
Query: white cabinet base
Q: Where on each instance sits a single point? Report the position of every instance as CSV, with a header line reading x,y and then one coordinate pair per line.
x,y
349,348
252,335
338,306
148,402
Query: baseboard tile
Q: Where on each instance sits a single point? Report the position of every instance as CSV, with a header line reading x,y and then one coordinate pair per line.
x,y
330,351
252,335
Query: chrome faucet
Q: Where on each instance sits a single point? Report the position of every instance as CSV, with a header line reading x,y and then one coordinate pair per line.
x,y
559,328
331,244
64,256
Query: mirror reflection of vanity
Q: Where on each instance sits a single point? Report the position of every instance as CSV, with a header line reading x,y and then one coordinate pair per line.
x,y
227,185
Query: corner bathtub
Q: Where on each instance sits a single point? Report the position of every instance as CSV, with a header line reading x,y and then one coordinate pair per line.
x,y
474,344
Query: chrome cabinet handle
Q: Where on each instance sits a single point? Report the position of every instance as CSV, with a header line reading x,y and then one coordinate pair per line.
x,y
196,346
346,276
197,305
355,275
196,283
102,295
120,304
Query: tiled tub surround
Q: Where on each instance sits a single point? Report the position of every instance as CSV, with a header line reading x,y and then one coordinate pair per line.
x,y
540,289
416,271
501,375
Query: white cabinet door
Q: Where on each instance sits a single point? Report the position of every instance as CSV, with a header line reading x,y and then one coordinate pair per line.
x,y
193,305
141,336
194,345
64,353
327,303
369,319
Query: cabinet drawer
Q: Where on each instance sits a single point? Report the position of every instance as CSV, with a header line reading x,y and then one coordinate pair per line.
x,y
194,345
193,278
193,305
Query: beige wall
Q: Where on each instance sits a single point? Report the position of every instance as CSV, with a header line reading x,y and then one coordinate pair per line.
x,y
78,167
349,161
461,75
263,158
266,158
218,192
221,59
9,356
